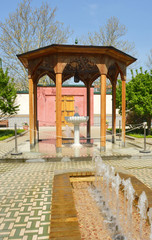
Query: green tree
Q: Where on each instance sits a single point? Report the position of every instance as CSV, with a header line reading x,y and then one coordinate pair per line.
x,y
138,96
110,34
8,95
119,95
27,29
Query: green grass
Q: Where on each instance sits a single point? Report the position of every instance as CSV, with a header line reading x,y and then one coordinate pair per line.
x,y
117,130
4,134
138,133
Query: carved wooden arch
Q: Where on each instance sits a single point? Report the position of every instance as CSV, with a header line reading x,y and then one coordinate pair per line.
x,y
75,58
43,65
115,68
122,71
105,63
33,66
85,66
49,74
121,67
94,78
113,73
111,68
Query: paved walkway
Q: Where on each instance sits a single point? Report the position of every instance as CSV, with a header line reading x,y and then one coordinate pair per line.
x,y
8,145
26,188
25,196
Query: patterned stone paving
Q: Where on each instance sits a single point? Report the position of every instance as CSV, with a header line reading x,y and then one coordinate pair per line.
x,y
141,168
26,190
8,145
25,198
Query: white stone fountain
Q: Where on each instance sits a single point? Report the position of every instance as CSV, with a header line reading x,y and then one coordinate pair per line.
x,y
76,120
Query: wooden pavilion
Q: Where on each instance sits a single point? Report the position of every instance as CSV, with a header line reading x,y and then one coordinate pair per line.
x,y
87,63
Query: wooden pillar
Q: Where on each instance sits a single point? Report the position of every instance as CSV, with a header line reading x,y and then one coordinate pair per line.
x,y
58,111
123,110
103,114
114,111
35,112
31,111
88,114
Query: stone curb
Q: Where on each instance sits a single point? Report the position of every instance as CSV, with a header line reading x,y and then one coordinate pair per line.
x,y
19,135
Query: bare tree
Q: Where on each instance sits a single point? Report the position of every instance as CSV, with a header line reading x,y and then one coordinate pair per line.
x,y
111,34
149,60
27,29
46,81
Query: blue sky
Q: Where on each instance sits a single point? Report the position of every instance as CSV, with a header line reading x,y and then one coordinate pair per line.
x,y
85,16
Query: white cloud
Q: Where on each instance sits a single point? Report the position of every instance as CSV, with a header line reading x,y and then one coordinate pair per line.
x,y
92,8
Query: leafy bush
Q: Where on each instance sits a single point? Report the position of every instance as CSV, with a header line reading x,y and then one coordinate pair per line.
x,y
139,133
4,134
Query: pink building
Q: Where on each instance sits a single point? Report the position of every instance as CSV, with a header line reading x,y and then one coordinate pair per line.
x,y
72,97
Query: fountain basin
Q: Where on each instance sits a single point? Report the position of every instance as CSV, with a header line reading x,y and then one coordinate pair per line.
x,y
76,120
68,214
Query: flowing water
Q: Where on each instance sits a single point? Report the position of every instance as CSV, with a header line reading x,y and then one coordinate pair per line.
x,y
117,216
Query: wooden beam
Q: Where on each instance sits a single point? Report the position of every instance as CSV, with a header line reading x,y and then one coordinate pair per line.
x,y
123,110
103,113
31,112
88,114
58,110
114,111
35,112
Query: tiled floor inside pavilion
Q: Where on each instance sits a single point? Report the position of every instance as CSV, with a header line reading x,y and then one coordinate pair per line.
x,y
46,146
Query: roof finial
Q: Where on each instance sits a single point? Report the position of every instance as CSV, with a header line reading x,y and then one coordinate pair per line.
x,y
76,41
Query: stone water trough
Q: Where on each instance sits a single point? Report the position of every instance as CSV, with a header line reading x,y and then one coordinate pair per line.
x,y
75,214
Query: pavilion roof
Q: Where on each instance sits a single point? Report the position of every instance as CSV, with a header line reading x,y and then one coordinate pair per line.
x,y
75,49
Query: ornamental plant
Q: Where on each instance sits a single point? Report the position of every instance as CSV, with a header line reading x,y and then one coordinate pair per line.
x,y
8,95
138,96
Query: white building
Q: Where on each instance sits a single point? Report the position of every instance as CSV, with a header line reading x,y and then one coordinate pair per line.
x,y
23,113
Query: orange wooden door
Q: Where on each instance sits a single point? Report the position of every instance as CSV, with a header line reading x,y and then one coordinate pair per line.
x,y
67,108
